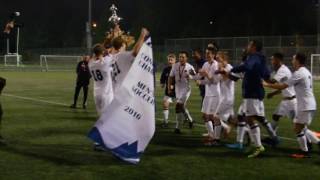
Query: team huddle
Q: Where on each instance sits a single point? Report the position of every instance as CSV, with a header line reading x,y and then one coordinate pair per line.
x,y
218,77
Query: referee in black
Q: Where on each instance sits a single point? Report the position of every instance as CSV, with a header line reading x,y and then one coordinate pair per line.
x,y
83,80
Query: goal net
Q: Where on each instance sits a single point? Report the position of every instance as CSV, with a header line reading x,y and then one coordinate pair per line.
x,y
12,60
59,62
315,66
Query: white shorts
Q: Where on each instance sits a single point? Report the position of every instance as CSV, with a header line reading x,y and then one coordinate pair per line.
x,y
102,102
254,107
225,111
304,117
183,95
241,110
287,108
210,104
168,99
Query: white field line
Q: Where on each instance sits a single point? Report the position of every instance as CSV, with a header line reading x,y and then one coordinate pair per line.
x,y
63,104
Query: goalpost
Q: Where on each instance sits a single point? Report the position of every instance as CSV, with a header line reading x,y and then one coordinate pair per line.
x,y
315,66
59,62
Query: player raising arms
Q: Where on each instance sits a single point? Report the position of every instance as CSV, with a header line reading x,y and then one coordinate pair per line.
x,y
301,80
181,73
168,98
100,70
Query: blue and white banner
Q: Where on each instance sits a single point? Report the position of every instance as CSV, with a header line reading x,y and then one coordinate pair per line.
x,y
128,125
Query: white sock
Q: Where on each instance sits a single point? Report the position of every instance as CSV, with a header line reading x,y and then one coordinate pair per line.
x,y
255,130
217,131
241,132
210,128
165,115
272,133
187,113
302,141
178,120
312,137
224,125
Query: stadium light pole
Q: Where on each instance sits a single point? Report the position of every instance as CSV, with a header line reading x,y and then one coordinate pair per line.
x,y
88,26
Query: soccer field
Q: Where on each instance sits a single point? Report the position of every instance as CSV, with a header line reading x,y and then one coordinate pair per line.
x,y
47,140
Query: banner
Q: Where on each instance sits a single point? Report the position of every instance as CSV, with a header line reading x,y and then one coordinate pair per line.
x,y
128,125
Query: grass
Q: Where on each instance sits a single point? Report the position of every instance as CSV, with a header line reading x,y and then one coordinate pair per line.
x,y
48,140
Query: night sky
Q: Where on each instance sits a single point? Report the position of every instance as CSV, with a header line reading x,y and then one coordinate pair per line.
x,y
61,23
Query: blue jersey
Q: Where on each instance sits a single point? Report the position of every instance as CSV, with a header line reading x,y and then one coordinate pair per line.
x,y
255,70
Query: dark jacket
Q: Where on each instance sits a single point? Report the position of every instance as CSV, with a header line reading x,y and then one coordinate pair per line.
x,y
83,73
255,70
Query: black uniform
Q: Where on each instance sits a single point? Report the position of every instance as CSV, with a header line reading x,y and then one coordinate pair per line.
x,y
83,80
164,80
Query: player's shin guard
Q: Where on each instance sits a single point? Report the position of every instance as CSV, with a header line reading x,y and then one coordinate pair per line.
x,y
312,136
255,131
165,115
302,141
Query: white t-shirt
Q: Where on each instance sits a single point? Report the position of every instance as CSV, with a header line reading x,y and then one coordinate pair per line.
x,y
302,82
212,88
227,88
100,71
182,76
121,64
282,75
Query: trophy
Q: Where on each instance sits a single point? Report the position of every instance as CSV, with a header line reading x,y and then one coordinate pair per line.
x,y
116,31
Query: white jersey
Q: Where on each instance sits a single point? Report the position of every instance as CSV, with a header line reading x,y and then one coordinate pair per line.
x,y
212,87
100,70
182,76
121,64
302,82
227,88
282,75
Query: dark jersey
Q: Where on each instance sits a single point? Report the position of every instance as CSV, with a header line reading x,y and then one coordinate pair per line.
x,y
83,73
164,80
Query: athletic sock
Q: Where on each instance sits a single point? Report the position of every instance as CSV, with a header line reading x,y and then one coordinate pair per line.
x,y
302,141
269,127
165,115
178,120
209,125
312,137
255,131
241,130
217,131
187,114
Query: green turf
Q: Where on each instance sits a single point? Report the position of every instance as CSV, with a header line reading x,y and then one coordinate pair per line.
x,y
48,141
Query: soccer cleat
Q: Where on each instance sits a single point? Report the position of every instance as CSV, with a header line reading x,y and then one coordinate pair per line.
x,y
73,106
257,152
301,154
84,106
177,131
238,146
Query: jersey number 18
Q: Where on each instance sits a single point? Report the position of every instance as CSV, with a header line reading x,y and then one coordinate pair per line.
x,y
97,75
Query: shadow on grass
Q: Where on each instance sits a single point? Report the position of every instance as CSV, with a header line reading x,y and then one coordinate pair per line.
x,y
70,155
